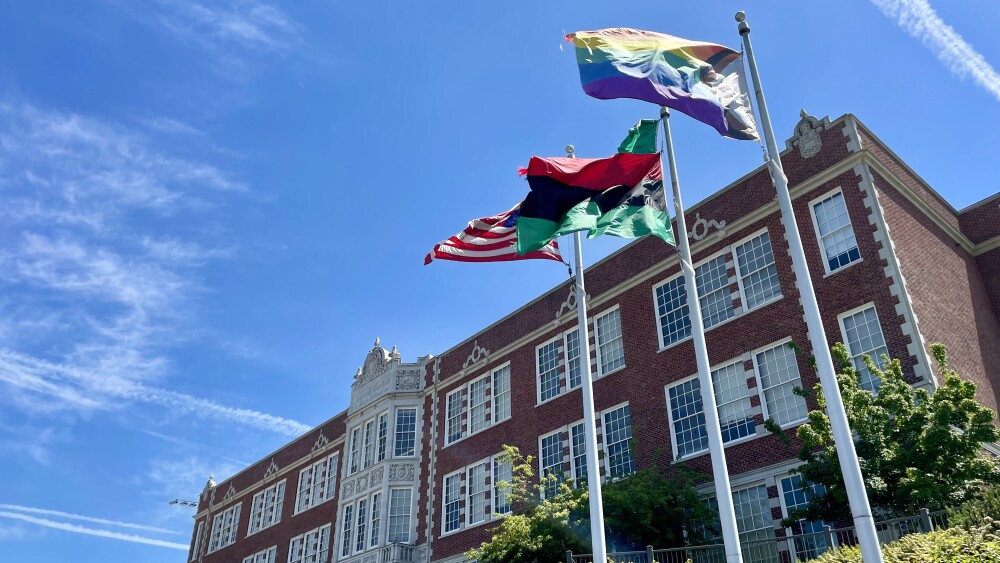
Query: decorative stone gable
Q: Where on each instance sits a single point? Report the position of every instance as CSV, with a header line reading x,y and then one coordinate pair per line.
x,y
806,136
382,373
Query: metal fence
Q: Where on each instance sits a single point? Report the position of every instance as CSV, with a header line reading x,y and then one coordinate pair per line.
x,y
780,548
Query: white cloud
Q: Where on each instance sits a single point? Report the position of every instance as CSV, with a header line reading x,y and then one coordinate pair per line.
x,y
82,518
244,23
919,19
92,531
184,478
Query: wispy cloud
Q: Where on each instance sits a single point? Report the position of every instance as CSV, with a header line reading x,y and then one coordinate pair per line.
x,y
919,19
82,518
99,284
92,531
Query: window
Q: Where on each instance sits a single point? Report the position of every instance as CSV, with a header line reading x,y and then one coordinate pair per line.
x,y
754,522
610,350
578,449
383,431
617,441
369,443
836,236
197,539
757,273
346,530
310,547
687,417
714,297
501,394
399,516
573,358
317,483
355,450
452,502
263,556
455,412
548,370
671,307
863,335
376,521
551,461
477,405
478,493
224,526
362,520
265,509
502,473
406,432
732,398
779,377
796,494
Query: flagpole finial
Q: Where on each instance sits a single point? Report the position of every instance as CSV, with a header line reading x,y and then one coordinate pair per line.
x,y
664,112
744,27
569,150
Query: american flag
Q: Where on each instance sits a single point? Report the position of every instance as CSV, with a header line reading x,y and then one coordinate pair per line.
x,y
490,239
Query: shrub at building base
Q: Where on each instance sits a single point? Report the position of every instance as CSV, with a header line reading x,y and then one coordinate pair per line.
x,y
954,545
975,512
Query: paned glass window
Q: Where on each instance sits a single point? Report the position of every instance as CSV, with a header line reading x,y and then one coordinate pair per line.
x,y
265,509
383,435
502,473
779,377
578,448
399,515
501,394
376,519
754,522
369,443
732,398
452,502
687,416
610,350
262,556
573,367
617,441
197,540
346,531
863,334
552,460
714,296
758,274
548,370
672,309
310,547
836,235
477,405
224,526
317,483
355,450
456,410
478,493
797,493
362,518
406,432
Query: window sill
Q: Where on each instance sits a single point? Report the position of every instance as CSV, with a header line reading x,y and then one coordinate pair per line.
x,y
723,323
477,432
842,268
700,453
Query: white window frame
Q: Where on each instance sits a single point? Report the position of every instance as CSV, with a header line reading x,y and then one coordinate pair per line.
x,y
396,433
368,443
232,514
597,342
355,436
263,556
459,500
409,515
656,312
485,380
847,344
260,511
541,458
375,519
670,419
749,394
739,278
574,468
498,398
566,358
731,251
606,462
346,531
560,362
197,539
760,383
486,494
768,524
819,237
304,538
361,516
497,491
449,436
331,463
792,547
382,424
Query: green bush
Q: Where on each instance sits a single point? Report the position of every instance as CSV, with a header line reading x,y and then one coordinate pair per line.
x,y
954,545
974,512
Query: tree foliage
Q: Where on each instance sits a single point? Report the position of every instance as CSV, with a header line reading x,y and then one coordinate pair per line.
x,y
643,508
916,449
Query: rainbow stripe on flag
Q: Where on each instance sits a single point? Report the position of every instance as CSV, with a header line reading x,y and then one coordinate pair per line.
x,y
703,80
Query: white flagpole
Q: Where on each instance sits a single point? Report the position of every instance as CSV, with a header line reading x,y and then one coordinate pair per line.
x,y
600,548
864,523
720,469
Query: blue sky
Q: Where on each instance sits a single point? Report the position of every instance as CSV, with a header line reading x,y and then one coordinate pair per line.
x,y
210,210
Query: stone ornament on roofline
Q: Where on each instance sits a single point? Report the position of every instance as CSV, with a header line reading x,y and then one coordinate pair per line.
x,y
806,136
478,353
569,304
700,227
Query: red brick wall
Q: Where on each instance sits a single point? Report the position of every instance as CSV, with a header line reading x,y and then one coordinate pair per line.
x,y
989,268
982,221
947,291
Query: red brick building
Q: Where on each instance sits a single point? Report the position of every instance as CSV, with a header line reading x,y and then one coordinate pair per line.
x,y
407,473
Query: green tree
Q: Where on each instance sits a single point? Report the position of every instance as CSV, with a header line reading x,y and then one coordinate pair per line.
x,y
645,508
916,449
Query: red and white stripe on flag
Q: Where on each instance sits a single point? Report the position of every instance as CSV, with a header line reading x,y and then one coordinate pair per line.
x,y
490,239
